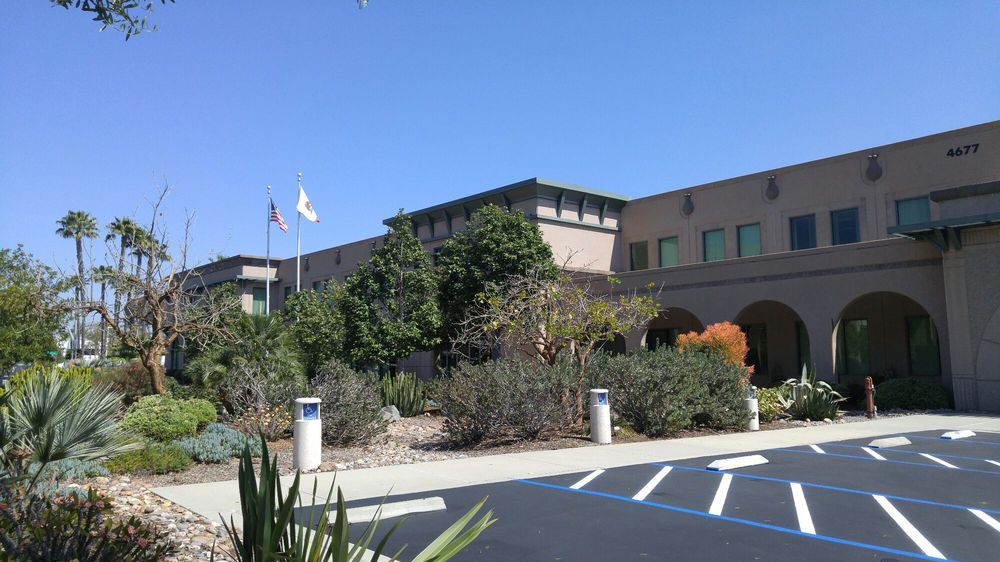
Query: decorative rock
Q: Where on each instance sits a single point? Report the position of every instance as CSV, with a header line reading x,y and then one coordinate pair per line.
x,y
390,414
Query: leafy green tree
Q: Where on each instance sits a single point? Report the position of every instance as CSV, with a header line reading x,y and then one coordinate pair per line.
x,y
125,230
78,225
31,311
389,306
316,325
496,246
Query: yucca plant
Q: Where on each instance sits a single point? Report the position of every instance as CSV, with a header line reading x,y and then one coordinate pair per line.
x,y
271,531
404,391
52,418
806,398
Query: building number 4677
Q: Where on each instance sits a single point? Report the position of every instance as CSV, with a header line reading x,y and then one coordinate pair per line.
x,y
963,150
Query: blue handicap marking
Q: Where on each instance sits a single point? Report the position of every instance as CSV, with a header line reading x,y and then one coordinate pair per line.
x,y
310,411
602,399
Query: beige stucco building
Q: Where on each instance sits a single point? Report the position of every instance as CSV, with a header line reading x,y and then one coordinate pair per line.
x,y
884,261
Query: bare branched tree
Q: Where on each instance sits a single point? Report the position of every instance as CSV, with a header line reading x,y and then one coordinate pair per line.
x,y
544,317
166,300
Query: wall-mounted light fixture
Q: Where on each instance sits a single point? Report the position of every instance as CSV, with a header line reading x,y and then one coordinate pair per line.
x,y
307,263
687,207
337,258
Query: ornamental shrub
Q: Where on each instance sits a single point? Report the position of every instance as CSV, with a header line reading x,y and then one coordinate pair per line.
x,y
130,380
725,338
74,375
351,404
68,469
218,444
273,423
404,391
164,419
806,398
911,394
769,404
664,391
153,458
73,526
503,399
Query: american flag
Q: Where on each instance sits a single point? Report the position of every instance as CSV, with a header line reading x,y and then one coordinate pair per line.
x,y
276,217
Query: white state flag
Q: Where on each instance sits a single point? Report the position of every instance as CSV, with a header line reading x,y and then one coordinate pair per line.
x,y
305,207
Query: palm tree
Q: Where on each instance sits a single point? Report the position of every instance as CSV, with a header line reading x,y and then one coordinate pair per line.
x,y
78,225
125,230
103,274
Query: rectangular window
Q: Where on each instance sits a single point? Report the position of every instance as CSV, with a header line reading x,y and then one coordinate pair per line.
x,y
288,291
669,252
912,211
638,255
317,286
259,301
854,342
922,345
803,230
748,239
715,244
844,225
757,342
802,338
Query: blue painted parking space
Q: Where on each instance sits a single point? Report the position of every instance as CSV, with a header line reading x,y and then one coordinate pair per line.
x,y
929,500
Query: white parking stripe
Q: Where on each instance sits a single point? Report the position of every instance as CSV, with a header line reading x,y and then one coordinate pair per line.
x,y
802,509
908,528
651,485
817,449
994,463
720,495
873,453
937,460
986,519
586,479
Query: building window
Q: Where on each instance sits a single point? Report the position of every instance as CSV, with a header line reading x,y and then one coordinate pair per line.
x,y
668,252
436,255
922,345
748,240
714,242
854,343
259,301
757,342
844,225
912,211
288,291
802,339
638,255
662,337
317,286
803,231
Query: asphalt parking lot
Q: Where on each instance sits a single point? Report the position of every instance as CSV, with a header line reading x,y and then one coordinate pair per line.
x,y
932,499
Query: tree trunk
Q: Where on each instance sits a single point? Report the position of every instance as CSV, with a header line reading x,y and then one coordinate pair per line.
x,y
121,270
104,323
79,301
157,374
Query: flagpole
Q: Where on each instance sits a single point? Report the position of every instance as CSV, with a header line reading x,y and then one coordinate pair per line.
x,y
298,242
267,265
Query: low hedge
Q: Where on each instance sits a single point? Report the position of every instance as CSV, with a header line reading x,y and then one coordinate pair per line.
x,y
162,418
153,458
911,394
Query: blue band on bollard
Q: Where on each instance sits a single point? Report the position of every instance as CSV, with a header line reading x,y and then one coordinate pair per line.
x,y
310,411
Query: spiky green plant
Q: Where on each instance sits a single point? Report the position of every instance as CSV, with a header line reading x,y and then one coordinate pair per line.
x,y
53,418
272,533
404,391
806,398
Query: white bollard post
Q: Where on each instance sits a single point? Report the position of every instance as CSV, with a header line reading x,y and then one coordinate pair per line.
x,y
752,405
600,416
307,434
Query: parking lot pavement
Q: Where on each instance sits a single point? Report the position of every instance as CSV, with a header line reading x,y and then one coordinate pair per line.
x,y
931,499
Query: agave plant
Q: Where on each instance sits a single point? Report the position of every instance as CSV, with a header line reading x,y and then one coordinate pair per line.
x,y
52,418
404,391
271,532
807,398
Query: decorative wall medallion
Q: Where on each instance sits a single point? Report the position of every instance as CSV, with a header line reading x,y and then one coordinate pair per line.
x,y
687,207
874,170
772,191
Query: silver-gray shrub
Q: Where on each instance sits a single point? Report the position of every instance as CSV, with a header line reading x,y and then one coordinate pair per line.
x,y
503,399
351,404
217,444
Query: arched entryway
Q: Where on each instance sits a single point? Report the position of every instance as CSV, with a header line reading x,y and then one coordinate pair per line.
x,y
670,323
885,335
778,340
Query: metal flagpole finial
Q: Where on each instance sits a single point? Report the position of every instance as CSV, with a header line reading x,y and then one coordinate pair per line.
x,y
268,190
300,177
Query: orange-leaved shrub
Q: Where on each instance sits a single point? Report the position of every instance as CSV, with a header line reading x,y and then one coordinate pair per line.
x,y
725,338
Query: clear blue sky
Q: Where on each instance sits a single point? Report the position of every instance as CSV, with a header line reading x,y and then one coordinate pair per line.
x,y
411,103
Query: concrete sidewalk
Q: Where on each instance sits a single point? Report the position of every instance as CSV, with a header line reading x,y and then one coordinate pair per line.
x,y
222,498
